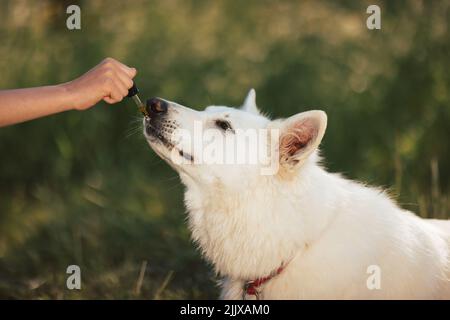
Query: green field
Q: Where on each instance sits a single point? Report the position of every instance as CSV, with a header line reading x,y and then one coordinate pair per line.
x,y
84,187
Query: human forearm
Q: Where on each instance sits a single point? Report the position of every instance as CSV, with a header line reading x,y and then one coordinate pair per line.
x,y
20,105
108,81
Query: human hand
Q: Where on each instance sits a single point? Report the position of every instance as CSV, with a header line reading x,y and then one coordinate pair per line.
x,y
108,81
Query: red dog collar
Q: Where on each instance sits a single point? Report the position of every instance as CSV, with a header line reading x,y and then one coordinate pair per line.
x,y
251,287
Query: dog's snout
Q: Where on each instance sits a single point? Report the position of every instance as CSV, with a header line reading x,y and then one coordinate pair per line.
x,y
156,106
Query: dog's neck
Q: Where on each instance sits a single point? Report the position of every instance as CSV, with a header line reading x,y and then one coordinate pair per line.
x,y
248,234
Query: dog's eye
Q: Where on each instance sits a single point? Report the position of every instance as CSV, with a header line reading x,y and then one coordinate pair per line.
x,y
224,125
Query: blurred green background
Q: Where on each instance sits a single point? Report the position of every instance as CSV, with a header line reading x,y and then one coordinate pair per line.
x,y
84,187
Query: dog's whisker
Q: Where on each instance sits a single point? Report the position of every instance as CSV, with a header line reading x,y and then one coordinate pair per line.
x,y
131,132
174,177
174,186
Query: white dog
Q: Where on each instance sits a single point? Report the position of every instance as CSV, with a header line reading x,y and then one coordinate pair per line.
x,y
300,233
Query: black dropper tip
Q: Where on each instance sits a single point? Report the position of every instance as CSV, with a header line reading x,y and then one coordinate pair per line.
x,y
133,91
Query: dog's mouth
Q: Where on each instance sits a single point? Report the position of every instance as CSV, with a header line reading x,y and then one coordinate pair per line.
x,y
157,134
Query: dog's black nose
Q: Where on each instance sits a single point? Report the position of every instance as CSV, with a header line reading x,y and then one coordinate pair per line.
x,y
156,106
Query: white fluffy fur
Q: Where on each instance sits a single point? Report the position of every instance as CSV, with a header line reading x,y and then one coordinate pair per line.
x,y
328,229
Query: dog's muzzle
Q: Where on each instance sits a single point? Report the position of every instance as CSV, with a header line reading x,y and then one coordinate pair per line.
x,y
156,109
156,123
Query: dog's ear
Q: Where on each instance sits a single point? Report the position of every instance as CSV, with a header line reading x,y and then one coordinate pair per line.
x,y
250,103
300,135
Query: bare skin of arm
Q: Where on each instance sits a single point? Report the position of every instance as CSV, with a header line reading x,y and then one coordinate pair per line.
x,y
108,81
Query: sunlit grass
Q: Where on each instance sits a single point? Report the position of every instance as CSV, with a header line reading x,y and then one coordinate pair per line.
x,y
84,188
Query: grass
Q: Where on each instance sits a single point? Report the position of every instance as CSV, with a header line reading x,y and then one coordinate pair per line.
x,y
80,188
